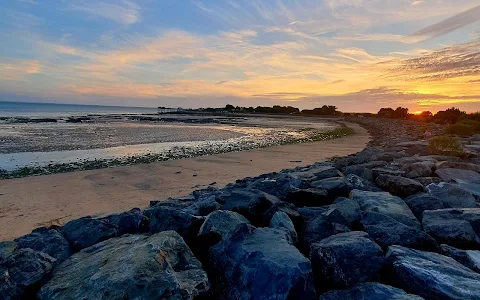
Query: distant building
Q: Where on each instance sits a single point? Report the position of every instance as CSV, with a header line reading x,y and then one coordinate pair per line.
x,y
167,110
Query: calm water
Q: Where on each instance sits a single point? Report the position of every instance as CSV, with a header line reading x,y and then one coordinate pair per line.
x,y
45,110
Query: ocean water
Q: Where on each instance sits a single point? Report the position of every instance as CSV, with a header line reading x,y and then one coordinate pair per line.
x,y
50,110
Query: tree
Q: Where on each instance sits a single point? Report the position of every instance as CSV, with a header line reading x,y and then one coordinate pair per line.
x,y
451,116
400,113
386,112
426,114
229,107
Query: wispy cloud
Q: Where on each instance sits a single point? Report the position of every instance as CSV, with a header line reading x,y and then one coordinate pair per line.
x,y
122,11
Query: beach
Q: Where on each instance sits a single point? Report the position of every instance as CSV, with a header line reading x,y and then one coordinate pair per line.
x,y
27,203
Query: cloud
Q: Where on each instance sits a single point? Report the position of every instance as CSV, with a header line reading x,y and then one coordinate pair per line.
x,y
18,69
201,6
122,11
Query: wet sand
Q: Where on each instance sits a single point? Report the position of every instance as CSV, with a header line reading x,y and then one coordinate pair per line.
x,y
27,203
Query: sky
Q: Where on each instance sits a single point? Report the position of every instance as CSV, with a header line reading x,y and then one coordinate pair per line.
x,y
359,55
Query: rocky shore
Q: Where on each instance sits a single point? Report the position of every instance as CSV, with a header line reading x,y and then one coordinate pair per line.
x,y
390,222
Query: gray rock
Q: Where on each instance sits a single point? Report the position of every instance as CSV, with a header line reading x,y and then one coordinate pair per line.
x,y
308,198
428,180
399,186
260,263
452,196
160,266
165,218
458,175
325,172
468,258
85,232
281,221
6,249
48,241
362,184
457,165
285,207
419,169
335,187
420,202
387,231
359,169
203,206
23,272
456,227
345,259
349,211
376,172
252,204
369,291
279,186
386,204
132,222
431,275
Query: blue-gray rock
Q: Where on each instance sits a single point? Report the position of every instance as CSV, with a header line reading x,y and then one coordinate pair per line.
x,y
349,211
343,260
252,204
308,197
376,172
369,291
458,175
48,241
468,258
160,266
279,186
456,227
359,169
165,218
281,221
428,180
335,187
23,272
420,202
399,186
359,183
85,232
386,204
325,172
457,165
203,206
431,275
132,222
452,196
6,249
419,169
288,208
387,231
260,263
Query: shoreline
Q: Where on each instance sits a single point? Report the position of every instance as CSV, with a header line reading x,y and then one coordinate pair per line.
x,y
30,202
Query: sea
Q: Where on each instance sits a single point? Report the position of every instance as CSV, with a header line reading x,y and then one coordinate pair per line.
x,y
51,110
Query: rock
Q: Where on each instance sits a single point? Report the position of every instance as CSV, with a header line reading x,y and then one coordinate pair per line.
x,y
387,231
383,171
415,147
165,218
23,272
279,186
349,211
428,180
325,172
457,165
386,204
399,186
359,170
285,207
420,202
451,196
316,227
369,291
335,187
345,259
431,275
48,241
456,227
419,169
469,258
308,198
359,183
458,176
252,204
260,263
203,206
85,232
6,249
130,267
281,221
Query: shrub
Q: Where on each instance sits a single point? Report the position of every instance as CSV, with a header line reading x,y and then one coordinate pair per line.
x,y
473,123
444,145
461,129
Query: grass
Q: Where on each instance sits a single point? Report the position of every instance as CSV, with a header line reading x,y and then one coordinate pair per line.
x,y
445,145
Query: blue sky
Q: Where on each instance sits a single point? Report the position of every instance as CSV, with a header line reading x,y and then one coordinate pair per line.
x,y
359,55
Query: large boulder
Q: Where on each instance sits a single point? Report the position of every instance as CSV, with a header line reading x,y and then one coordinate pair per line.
x,y
369,291
6,249
130,267
203,206
335,187
23,272
85,232
308,197
399,186
279,186
468,258
166,218
374,173
345,259
133,221
48,241
386,204
457,165
458,175
387,231
456,227
288,208
428,180
452,196
419,169
359,183
260,263
344,211
420,202
252,204
431,275
360,169
281,221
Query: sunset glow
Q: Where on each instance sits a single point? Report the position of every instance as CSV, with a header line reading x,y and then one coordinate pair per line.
x,y
359,55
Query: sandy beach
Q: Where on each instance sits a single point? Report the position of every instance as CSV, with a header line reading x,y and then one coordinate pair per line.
x,y
27,203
